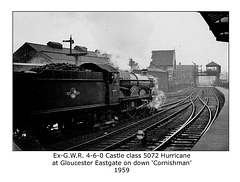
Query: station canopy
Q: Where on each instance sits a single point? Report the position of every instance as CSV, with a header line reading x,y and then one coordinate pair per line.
x,y
218,22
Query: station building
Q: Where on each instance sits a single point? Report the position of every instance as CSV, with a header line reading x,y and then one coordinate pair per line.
x,y
54,52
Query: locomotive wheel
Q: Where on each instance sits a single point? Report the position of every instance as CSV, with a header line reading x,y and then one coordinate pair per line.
x,y
132,113
91,120
142,111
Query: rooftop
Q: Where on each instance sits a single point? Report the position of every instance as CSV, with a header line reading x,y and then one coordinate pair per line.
x,y
163,57
212,64
55,51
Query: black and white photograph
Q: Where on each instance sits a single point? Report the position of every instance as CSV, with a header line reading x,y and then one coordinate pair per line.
x,y
119,91
121,81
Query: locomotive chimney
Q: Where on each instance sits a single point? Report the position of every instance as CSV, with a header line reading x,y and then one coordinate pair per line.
x,y
144,72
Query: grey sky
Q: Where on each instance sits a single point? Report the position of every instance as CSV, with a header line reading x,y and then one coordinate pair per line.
x,y
125,34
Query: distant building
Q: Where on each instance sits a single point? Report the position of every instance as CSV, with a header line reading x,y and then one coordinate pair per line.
x,y
213,67
165,60
211,76
54,52
185,74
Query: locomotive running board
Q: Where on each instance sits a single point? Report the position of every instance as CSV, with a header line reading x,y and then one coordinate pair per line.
x,y
51,111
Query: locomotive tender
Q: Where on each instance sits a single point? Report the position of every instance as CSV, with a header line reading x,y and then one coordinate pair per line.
x,y
92,94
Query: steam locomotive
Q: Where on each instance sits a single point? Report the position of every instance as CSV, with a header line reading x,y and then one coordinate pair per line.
x,y
65,96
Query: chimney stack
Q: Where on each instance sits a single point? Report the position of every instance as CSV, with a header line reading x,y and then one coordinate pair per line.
x,y
144,72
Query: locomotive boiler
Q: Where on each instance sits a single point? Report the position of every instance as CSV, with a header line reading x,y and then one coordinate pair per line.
x,y
135,92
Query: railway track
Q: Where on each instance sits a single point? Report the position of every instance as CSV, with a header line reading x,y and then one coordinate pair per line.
x,y
174,97
116,138
177,126
163,129
81,137
189,134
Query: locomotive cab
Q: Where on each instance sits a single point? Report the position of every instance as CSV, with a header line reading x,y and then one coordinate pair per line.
x,y
111,79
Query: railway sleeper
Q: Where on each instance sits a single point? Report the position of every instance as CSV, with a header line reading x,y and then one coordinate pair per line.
x,y
194,131
189,137
124,147
151,147
186,139
181,144
196,126
172,148
183,141
191,133
157,143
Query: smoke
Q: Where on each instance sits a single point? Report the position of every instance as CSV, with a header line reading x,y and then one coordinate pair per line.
x,y
159,97
117,61
123,34
114,59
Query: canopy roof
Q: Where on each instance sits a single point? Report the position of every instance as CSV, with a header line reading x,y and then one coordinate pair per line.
x,y
218,23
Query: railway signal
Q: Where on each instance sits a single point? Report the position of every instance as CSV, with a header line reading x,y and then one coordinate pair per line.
x,y
75,55
71,41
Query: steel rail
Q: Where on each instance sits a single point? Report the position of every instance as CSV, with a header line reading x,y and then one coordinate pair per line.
x,y
144,130
187,123
110,147
214,117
